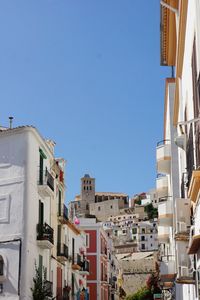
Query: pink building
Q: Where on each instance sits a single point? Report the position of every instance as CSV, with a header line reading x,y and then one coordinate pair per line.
x,y
99,259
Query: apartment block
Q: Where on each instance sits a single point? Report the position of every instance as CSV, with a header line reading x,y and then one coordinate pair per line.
x,y
178,156
101,281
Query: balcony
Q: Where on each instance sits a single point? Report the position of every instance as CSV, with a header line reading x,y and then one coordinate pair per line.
x,y
62,252
48,287
183,219
45,184
167,268
44,236
163,157
162,186
62,213
185,272
184,265
163,234
165,211
85,268
77,264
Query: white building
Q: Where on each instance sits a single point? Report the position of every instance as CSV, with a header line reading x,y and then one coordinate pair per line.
x,y
26,235
180,40
34,226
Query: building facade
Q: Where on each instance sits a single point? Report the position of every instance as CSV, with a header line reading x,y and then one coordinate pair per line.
x,y
180,40
35,232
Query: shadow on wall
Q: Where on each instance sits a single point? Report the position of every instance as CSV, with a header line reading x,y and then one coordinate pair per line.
x,y
10,254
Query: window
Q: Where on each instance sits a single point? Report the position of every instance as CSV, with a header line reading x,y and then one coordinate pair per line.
x,y
111,207
143,246
142,238
1,265
151,245
99,208
90,188
143,230
1,288
134,230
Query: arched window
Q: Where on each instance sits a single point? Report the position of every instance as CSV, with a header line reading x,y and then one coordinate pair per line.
x,y
1,265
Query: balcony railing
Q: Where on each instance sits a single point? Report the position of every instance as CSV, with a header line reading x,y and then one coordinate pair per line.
x,y
62,250
45,178
63,211
79,261
162,185
165,211
85,266
167,268
45,232
163,156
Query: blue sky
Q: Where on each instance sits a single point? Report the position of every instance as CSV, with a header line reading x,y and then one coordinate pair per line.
x,y
86,73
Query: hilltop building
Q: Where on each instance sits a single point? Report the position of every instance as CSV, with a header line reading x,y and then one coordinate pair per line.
x,y
99,204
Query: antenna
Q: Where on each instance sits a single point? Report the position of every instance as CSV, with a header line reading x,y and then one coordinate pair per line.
x,y
11,121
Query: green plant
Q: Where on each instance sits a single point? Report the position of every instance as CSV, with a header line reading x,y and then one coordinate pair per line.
x,y
142,294
40,290
151,211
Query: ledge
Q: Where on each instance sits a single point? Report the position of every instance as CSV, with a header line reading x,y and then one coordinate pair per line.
x,y
185,280
182,236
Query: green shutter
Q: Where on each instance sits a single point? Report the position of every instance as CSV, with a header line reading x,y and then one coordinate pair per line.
x,y
42,153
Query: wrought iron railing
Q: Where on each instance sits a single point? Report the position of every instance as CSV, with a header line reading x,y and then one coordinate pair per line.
x,y
44,232
62,250
45,178
62,211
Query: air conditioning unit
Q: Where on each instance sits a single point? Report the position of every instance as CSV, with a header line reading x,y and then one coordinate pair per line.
x,y
181,141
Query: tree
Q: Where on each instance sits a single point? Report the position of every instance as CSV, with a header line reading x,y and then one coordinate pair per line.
x,y
40,290
151,211
142,294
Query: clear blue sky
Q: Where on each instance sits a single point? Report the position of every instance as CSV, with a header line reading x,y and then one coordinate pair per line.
x,y
86,73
